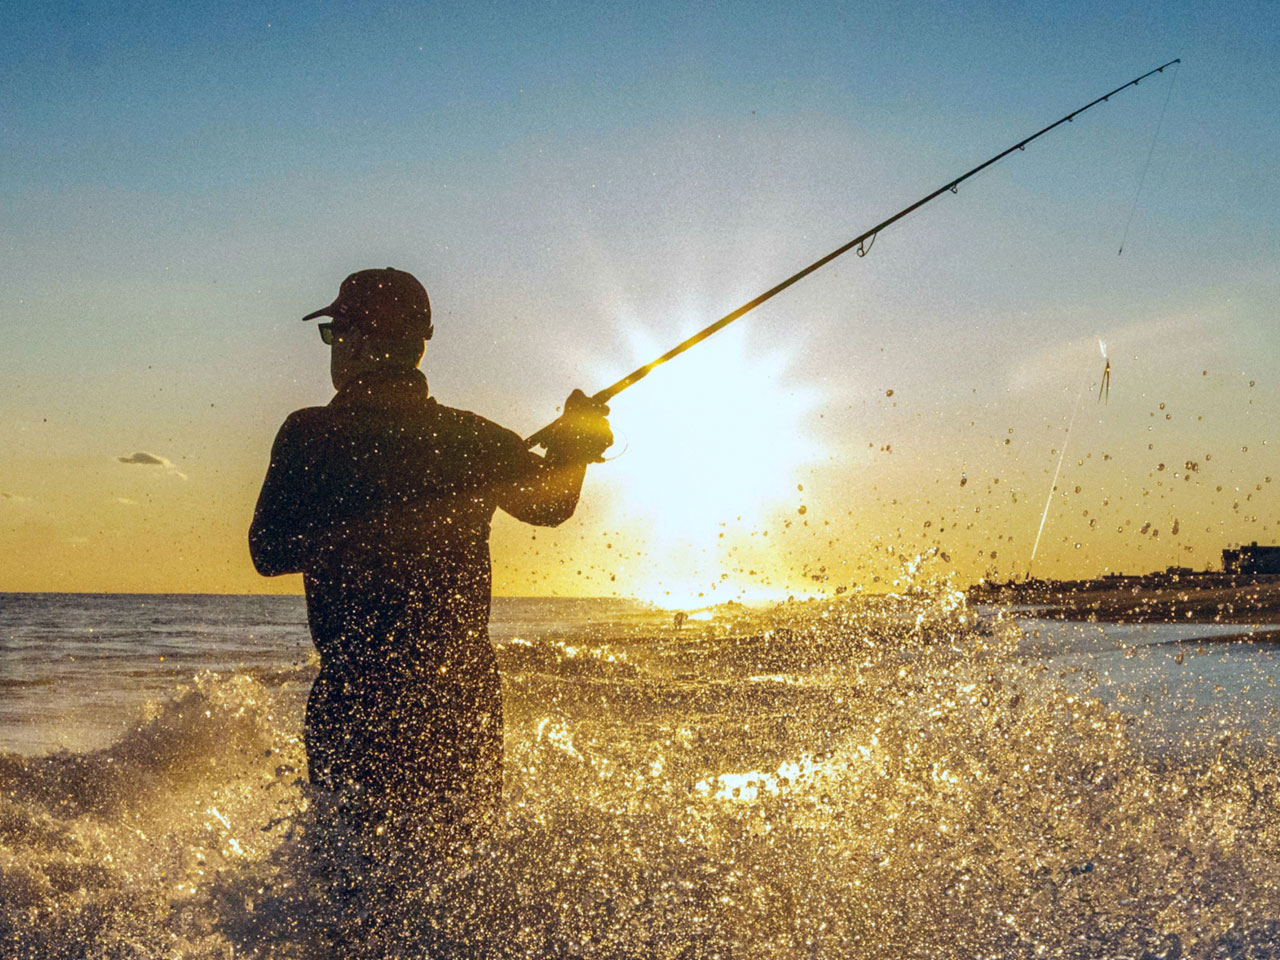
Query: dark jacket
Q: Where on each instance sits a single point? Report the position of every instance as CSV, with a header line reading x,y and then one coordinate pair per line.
x,y
383,500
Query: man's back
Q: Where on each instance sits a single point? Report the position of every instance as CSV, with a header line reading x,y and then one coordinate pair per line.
x,y
384,500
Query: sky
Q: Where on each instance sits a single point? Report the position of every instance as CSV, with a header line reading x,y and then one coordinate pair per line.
x,y
581,185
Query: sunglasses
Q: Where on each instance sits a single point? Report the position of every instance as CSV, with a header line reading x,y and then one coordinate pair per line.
x,y
332,331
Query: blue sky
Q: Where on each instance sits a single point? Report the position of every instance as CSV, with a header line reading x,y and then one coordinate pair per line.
x,y
180,182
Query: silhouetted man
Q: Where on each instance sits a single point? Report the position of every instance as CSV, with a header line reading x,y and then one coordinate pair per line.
x,y
383,501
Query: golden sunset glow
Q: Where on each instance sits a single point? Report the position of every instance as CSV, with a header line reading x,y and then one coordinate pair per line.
x,y
712,448
720,435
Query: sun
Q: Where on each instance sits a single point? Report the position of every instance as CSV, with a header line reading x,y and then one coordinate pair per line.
x,y
714,440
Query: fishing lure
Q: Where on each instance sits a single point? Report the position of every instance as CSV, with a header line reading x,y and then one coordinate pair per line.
x,y
1104,388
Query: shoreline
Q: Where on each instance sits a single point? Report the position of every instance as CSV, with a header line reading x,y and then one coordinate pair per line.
x,y
1254,603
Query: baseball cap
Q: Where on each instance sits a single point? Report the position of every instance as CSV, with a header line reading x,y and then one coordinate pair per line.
x,y
384,304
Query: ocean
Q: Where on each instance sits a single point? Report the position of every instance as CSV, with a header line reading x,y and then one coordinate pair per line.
x,y
888,777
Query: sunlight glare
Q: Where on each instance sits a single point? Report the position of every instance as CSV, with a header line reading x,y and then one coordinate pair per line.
x,y
718,435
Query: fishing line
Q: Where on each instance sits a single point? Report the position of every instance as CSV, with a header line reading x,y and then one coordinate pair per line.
x,y
626,445
1054,485
859,242
1155,136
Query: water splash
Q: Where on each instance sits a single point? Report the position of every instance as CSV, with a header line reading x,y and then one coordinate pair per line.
x,y
895,777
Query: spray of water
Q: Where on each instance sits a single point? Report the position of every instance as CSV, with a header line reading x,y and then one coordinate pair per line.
x,y
898,777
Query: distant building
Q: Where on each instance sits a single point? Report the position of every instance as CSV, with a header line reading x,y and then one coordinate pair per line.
x,y
1252,559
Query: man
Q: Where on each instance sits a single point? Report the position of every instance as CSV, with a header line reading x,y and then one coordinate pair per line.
x,y
383,501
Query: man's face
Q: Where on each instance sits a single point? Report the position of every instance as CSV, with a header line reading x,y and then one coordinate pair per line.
x,y
353,353
345,354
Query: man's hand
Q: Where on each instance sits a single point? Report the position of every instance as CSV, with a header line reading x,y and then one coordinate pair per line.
x,y
582,433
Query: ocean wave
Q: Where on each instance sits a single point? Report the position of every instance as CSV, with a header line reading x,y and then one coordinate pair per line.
x,y
915,786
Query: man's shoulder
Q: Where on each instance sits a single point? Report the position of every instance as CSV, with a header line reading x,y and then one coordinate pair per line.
x,y
467,423
306,419
304,414
441,427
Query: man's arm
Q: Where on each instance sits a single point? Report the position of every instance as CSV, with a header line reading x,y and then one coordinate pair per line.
x,y
281,535
547,493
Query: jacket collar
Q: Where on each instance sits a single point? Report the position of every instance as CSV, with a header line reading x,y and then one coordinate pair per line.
x,y
383,388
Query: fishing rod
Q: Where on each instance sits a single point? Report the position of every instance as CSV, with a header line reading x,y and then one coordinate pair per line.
x,y
640,373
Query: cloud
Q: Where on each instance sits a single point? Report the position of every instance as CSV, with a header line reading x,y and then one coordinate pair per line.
x,y
14,497
141,458
126,501
146,459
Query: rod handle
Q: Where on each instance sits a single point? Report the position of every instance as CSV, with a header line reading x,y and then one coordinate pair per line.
x,y
539,439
